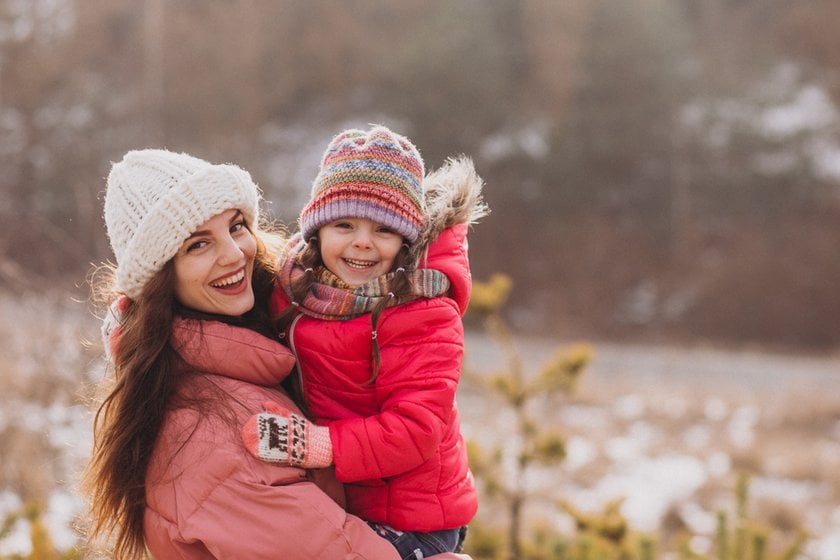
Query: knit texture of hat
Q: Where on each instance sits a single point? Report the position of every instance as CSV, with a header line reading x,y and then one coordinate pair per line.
x,y
376,175
156,199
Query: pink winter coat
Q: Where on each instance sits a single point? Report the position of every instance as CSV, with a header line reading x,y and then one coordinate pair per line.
x,y
396,442
207,497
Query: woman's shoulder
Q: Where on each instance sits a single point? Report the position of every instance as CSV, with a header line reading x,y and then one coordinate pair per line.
x,y
200,450
205,419
233,351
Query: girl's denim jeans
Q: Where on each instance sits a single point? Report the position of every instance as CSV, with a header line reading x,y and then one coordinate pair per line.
x,y
416,546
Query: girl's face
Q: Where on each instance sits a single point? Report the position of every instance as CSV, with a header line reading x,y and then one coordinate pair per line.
x,y
358,250
214,266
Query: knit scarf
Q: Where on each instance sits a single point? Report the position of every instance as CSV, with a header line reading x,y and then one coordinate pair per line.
x,y
332,299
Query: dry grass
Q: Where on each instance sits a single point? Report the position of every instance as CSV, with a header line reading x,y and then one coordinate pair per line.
x,y
44,422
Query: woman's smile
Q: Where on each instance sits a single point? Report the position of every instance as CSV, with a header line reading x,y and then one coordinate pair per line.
x,y
232,282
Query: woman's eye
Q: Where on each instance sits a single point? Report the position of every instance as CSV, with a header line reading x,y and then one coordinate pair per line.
x,y
195,246
238,226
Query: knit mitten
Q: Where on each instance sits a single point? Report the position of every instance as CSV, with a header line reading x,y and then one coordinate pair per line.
x,y
281,436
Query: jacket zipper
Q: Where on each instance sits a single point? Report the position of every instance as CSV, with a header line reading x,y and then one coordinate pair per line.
x,y
297,360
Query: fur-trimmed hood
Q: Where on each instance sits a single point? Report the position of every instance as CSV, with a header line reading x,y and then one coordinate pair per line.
x,y
453,196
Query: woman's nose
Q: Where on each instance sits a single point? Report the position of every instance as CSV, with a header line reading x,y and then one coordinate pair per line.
x,y
229,251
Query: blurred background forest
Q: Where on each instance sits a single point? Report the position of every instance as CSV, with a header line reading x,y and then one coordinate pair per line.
x,y
663,170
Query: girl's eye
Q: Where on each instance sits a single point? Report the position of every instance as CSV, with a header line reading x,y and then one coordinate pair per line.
x,y
384,229
343,225
238,226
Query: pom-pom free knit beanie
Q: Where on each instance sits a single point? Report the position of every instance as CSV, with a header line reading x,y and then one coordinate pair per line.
x,y
155,199
376,175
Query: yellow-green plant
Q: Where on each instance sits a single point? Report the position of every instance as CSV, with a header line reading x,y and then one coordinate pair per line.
x,y
745,539
606,535
42,547
531,443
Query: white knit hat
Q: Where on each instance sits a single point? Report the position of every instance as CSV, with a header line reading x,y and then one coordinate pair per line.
x,y
156,199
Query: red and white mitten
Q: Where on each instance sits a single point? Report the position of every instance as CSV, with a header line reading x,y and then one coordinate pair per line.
x,y
281,436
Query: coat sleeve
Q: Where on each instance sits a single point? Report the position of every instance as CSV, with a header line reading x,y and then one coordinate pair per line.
x,y
259,520
421,349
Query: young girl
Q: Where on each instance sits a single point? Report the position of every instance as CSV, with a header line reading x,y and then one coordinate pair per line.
x,y
372,292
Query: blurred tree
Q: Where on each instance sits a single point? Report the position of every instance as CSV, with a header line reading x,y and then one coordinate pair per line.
x,y
625,146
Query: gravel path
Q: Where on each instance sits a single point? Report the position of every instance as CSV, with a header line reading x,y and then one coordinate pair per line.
x,y
674,367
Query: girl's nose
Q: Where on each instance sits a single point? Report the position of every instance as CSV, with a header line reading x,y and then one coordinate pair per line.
x,y
362,238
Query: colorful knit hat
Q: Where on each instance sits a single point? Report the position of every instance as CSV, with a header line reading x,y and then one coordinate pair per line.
x,y
156,199
376,175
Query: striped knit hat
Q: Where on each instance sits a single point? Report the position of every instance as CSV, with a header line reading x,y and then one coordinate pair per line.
x,y
376,175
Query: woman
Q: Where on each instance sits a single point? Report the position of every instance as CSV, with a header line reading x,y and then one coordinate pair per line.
x,y
193,358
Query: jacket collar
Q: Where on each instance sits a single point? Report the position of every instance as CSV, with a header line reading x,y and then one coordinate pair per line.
x,y
236,352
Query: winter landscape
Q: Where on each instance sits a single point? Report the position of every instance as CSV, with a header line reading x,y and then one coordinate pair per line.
x,y
664,185
665,428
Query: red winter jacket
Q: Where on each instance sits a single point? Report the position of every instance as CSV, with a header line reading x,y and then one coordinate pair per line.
x,y
396,442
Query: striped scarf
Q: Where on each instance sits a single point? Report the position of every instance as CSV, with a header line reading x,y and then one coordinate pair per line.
x,y
331,299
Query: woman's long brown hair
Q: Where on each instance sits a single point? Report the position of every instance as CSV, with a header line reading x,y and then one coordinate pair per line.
x,y
147,372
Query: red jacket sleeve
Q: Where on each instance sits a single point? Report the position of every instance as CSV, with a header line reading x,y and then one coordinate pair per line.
x,y
421,351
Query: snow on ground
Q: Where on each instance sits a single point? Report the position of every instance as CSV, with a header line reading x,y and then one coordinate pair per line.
x,y
664,428
668,428
68,430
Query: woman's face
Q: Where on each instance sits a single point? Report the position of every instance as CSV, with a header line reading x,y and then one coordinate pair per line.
x,y
358,250
214,266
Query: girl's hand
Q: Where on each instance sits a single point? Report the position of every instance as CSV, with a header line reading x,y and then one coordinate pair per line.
x,y
281,436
